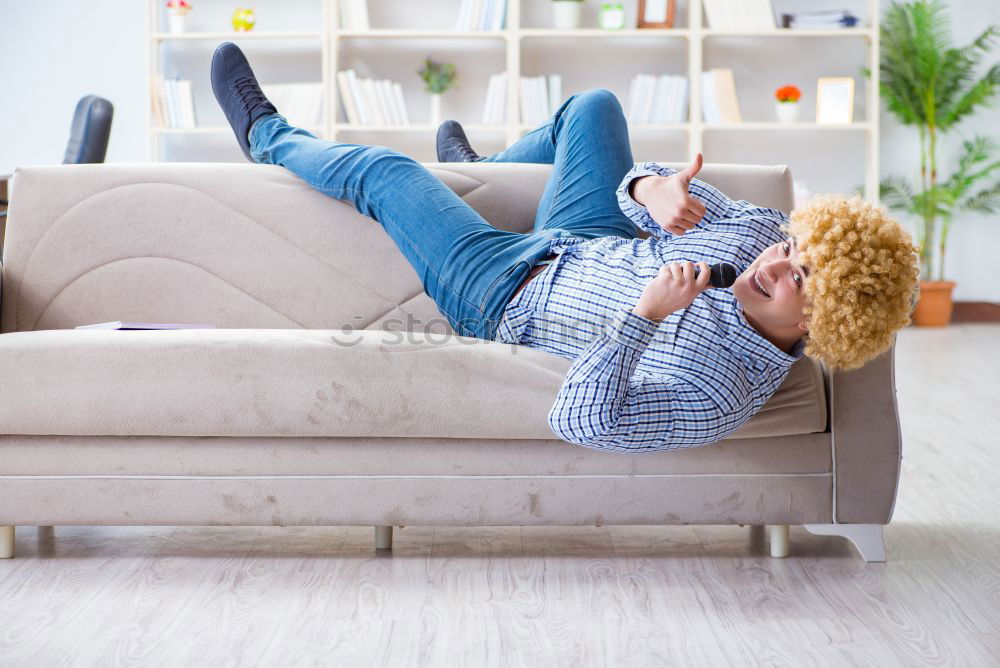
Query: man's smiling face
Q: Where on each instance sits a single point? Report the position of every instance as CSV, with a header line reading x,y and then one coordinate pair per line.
x,y
772,293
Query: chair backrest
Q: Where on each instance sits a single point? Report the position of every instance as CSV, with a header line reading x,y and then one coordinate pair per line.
x,y
88,139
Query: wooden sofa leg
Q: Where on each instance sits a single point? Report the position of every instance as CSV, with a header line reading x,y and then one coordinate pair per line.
x,y
6,542
779,540
867,538
383,538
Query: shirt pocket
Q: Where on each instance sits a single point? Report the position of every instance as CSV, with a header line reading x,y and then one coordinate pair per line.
x,y
674,328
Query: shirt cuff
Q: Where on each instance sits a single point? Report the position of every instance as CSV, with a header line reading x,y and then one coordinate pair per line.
x,y
639,171
632,330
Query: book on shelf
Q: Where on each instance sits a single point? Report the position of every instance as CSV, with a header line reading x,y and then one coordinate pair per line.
x,y
354,15
481,15
495,107
719,102
540,97
173,103
371,101
300,103
826,19
554,93
657,99
737,15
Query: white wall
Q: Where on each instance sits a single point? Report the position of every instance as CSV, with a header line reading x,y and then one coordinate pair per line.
x,y
52,52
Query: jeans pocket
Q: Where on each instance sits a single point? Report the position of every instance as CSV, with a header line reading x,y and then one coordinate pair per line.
x,y
504,279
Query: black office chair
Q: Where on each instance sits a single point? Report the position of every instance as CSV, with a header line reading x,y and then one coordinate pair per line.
x,y
88,137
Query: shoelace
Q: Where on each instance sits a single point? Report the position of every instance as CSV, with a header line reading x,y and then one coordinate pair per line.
x,y
249,92
467,153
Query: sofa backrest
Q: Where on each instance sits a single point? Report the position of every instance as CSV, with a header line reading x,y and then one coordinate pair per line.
x,y
240,245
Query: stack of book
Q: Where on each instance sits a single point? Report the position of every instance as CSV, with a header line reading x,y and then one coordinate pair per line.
x,y
540,97
832,18
719,103
371,101
300,103
476,15
354,15
657,99
740,15
495,109
173,103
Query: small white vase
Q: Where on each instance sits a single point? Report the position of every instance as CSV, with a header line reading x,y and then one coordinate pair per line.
x,y
566,14
435,109
176,23
788,112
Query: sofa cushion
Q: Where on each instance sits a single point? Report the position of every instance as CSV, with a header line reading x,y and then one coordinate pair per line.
x,y
295,382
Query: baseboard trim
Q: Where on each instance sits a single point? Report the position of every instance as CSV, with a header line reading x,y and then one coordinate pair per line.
x,y
976,312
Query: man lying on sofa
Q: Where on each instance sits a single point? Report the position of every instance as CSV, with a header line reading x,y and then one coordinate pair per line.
x,y
660,362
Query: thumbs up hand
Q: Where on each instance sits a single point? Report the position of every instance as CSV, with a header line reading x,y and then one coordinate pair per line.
x,y
668,201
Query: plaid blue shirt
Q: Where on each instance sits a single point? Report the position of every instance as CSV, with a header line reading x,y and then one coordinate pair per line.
x,y
637,385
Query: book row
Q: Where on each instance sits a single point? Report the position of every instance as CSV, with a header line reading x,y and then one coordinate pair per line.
x,y
758,15
540,97
479,15
657,99
371,101
173,103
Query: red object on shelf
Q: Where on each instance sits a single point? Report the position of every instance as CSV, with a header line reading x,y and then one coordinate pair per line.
x,y
788,94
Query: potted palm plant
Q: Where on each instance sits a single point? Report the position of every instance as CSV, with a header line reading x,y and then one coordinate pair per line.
x,y
931,84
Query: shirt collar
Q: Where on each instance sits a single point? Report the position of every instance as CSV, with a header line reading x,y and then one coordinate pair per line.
x,y
747,342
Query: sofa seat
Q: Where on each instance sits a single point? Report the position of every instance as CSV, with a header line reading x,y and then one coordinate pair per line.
x,y
305,383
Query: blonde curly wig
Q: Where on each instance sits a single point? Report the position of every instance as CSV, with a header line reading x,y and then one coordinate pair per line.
x,y
862,281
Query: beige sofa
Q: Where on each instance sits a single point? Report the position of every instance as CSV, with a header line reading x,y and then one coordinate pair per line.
x,y
312,403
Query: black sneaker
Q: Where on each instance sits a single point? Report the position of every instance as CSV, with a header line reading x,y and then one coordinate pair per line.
x,y
237,92
453,145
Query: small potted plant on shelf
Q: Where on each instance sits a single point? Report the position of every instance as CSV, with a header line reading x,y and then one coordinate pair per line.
x,y
787,106
612,16
566,14
176,11
933,85
438,77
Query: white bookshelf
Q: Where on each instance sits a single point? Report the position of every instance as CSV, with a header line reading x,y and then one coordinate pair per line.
x,y
514,40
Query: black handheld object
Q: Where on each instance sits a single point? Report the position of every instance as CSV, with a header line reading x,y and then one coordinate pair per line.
x,y
723,274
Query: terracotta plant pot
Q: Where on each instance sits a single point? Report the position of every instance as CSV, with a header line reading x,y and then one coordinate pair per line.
x,y
934,306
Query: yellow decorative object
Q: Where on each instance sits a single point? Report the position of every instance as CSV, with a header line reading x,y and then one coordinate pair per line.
x,y
244,19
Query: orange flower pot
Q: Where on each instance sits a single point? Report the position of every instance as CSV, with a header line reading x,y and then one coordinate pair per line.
x,y
934,306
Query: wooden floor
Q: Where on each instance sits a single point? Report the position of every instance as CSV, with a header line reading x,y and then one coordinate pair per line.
x,y
614,596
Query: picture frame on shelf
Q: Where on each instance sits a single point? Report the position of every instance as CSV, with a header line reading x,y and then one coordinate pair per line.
x,y
834,100
656,13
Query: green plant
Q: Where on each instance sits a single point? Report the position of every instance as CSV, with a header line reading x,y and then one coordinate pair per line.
x,y
438,77
929,83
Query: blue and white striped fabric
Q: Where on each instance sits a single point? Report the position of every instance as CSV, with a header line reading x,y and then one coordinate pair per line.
x,y
637,385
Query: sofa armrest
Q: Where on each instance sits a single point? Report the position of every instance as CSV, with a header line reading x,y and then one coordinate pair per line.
x,y
867,447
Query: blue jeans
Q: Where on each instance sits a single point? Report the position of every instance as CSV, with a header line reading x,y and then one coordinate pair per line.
x,y
467,266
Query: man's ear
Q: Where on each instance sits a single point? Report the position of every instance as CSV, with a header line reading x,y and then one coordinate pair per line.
x,y
804,325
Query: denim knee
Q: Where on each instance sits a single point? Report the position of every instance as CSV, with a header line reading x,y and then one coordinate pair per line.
x,y
599,101
383,154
